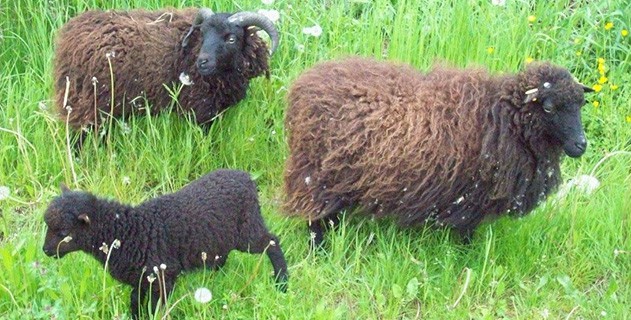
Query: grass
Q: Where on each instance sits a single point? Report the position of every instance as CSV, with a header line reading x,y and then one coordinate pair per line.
x,y
569,259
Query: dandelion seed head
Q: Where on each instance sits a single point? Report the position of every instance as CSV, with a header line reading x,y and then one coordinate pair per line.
x,y
104,248
272,15
314,31
155,269
185,79
203,295
110,54
163,266
4,192
204,256
272,243
67,239
151,278
116,244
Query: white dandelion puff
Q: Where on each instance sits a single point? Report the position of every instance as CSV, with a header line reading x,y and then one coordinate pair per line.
x,y
116,244
163,266
272,15
110,54
151,278
203,295
4,192
584,184
104,248
314,31
185,79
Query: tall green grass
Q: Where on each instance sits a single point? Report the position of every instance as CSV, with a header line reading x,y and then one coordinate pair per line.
x,y
571,258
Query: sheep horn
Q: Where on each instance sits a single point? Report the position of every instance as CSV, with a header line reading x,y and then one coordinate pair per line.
x,y
202,14
258,20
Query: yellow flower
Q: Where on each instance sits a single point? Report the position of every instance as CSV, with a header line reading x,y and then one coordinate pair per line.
x,y
577,41
601,69
529,59
531,18
608,25
628,118
624,32
601,61
597,87
578,53
490,50
602,80
613,87
596,104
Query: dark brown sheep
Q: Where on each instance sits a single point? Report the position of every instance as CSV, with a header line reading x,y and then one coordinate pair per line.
x,y
195,227
449,147
212,56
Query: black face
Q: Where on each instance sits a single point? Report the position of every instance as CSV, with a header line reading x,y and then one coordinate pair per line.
x,y
66,219
221,46
562,115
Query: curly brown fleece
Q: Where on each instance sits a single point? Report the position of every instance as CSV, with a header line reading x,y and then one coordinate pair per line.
x,y
448,147
145,54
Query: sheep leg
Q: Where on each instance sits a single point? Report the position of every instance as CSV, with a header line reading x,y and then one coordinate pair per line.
x,y
134,302
138,300
277,258
330,220
269,244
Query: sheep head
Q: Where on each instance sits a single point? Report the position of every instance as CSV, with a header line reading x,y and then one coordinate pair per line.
x,y
223,39
556,98
68,221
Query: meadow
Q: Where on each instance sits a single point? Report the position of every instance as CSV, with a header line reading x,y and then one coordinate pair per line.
x,y
569,259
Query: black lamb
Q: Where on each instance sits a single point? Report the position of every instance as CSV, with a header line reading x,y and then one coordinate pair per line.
x,y
195,227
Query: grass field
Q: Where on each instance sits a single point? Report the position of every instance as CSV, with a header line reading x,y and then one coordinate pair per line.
x,y
569,259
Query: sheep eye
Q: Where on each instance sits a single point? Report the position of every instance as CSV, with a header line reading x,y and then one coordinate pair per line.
x,y
232,39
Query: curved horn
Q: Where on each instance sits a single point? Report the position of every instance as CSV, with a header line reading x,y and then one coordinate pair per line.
x,y
248,18
202,14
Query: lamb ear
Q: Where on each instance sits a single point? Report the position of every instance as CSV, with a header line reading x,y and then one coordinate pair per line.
x,y
64,188
531,95
84,217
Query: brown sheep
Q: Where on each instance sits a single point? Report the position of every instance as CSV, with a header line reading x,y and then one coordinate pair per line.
x,y
449,147
212,56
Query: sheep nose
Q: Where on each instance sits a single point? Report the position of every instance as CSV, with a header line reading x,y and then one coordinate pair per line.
x,y
581,145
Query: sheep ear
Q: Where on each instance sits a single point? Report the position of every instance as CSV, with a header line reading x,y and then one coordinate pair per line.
x,y
84,217
531,95
64,188
587,89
